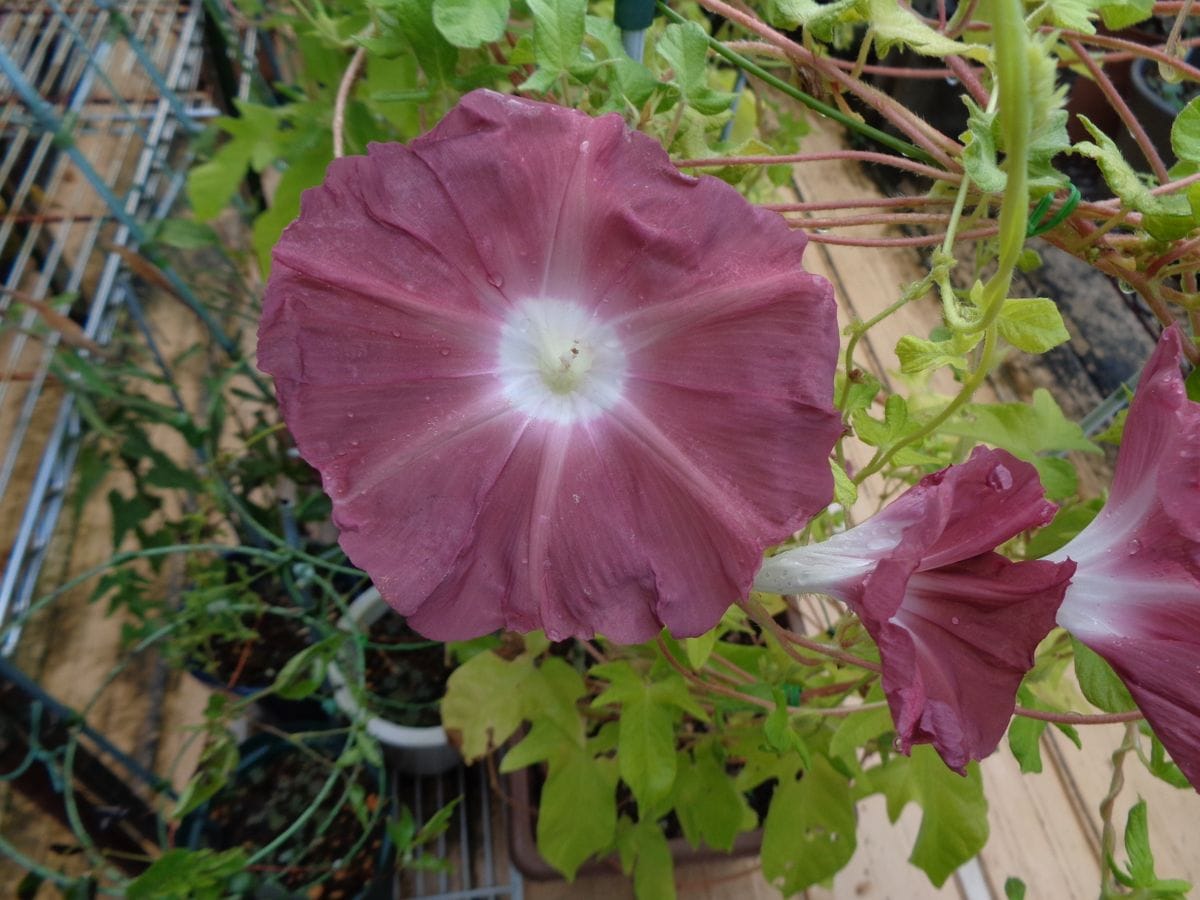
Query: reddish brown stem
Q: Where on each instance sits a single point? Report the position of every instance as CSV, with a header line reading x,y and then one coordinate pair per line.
x,y
1128,119
1114,43
871,219
920,132
1179,251
969,79
1079,718
786,637
883,159
862,203
918,240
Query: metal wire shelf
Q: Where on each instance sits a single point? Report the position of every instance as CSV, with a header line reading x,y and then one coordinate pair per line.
x,y
94,100
97,101
479,866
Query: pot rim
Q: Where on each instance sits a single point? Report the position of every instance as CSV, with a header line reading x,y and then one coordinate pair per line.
x,y
367,608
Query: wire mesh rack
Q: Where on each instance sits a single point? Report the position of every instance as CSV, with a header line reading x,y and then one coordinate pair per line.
x,y
95,98
97,101
478,865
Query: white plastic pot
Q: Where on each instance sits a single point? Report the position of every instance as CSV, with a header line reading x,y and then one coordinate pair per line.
x,y
416,751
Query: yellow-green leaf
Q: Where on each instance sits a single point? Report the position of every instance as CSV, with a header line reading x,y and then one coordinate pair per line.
x,y
1032,324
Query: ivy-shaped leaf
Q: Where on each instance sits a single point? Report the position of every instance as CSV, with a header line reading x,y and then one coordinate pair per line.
x,y
1023,429
918,356
1166,218
1099,683
1032,324
1075,15
710,808
558,30
810,831
1141,875
1185,132
484,705
819,19
1024,740
188,873
470,23
897,25
653,865
577,816
685,48
954,825
856,729
650,711
845,491
254,142
1120,14
408,25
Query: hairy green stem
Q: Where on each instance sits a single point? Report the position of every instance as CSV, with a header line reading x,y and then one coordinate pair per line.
x,y
1108,836
1015,116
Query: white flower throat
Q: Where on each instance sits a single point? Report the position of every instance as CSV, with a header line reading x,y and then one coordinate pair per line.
x,y
564,372
558,362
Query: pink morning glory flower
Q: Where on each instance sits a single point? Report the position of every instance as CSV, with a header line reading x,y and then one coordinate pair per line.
x,y
1135,599
549,381
956,623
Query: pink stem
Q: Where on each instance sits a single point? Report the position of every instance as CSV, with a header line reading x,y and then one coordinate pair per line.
x,y
1179,251
1114,43
862,203
916,129
883,159
1128,119
1079,718
970,80
875,219
919,240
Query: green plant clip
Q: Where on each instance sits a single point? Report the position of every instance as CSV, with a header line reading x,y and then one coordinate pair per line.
x,y
1037,226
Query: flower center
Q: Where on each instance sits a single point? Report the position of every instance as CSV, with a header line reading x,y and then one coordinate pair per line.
x,y
558,362
564,371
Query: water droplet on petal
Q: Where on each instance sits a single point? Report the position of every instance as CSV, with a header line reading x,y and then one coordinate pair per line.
x,y
496,281
444,351
954,620
1135,547
583,146
1000,479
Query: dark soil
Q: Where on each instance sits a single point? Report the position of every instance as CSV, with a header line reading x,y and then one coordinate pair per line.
x,y
253,663
405,673
269,797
